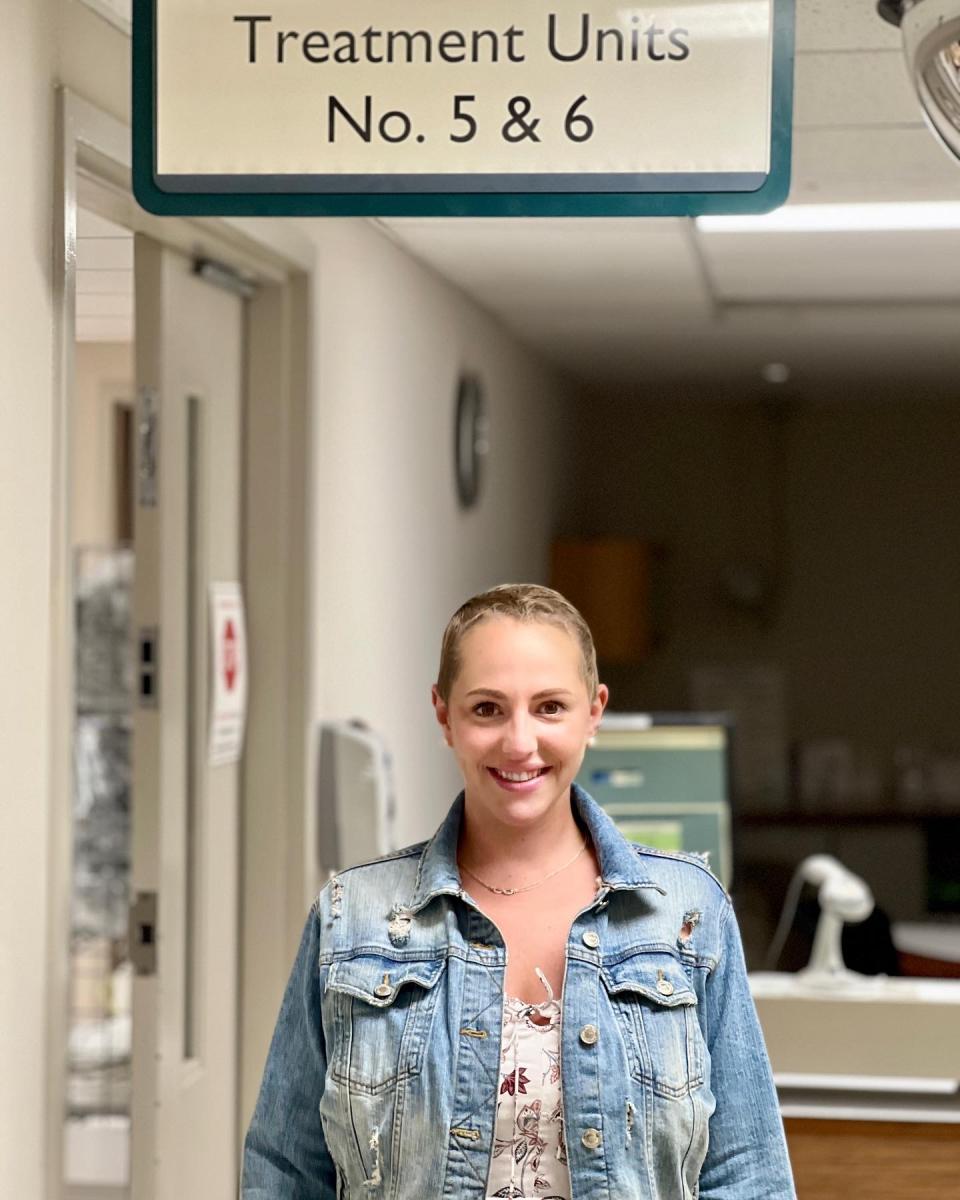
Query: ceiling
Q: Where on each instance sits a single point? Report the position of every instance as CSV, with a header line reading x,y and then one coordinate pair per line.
x,y
621,301
617,301
104,280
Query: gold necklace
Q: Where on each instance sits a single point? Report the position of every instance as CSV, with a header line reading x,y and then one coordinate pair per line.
x,y
529,886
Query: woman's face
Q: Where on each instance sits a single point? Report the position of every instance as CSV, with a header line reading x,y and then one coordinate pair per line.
x,y
518,717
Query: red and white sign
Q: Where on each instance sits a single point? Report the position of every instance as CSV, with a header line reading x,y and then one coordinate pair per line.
x,y
228,674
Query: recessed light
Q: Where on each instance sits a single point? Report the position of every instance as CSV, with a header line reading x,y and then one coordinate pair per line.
x,y
841,218
775,372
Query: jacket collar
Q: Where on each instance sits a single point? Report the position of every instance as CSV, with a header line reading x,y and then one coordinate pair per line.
x,y
620,868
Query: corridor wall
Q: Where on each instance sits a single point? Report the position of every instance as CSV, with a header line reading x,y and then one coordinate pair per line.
x,y
27,450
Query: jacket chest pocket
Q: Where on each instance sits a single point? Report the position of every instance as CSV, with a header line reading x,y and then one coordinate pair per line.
x,y
383,1010
656,1005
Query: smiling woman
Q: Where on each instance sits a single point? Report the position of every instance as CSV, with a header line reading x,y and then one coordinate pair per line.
x,y
521,1006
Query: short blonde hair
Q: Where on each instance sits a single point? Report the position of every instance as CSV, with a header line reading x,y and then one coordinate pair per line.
x,y
522,602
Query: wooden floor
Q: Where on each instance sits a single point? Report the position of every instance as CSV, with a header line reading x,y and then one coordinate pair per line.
x,y
874,1160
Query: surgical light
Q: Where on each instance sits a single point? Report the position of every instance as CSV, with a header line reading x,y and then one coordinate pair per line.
x,y
931,46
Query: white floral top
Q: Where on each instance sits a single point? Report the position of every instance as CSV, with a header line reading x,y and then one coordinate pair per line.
x,y
529,1154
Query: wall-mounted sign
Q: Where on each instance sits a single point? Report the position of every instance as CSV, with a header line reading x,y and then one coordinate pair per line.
x,y
451,107
228,674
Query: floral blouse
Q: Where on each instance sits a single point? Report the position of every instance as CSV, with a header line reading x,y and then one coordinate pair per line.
x,y
529,1153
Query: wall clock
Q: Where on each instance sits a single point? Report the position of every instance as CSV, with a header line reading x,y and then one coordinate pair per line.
x,y
469,438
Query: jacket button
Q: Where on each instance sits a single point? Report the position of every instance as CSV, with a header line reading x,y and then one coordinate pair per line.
x,y
383,990
664,986
591,1138
592,939
589,1035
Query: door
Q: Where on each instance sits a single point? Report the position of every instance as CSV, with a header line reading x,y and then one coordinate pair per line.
x,y
184,871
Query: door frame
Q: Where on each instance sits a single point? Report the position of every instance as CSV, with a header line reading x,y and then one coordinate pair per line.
x,y
92,170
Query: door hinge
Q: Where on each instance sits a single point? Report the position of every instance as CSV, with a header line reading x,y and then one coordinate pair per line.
x,y
142,933
148,447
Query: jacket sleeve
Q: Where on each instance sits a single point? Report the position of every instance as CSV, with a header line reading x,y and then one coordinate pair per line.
x,y
747,1150
285,1156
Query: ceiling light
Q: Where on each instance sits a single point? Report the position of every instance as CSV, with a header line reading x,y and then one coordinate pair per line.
x,y
931,45
775,372
840,218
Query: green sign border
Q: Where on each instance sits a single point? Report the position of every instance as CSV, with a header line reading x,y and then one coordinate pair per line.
x,y
501,204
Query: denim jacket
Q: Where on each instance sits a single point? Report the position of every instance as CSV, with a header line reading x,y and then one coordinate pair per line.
x,y
382,1078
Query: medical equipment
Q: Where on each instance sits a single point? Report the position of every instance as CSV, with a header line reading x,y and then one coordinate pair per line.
x,y
843,898
356,807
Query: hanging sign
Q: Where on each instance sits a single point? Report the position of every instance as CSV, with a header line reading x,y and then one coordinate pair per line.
x,y
228,674
454,107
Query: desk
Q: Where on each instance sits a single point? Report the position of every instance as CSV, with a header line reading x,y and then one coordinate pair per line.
x,y
869,1084
873,1160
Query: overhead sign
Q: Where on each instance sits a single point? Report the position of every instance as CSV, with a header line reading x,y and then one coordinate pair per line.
x,y
453,107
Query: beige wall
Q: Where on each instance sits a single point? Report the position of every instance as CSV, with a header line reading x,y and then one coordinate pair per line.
x,y
95,59
26,466
104,376
393,553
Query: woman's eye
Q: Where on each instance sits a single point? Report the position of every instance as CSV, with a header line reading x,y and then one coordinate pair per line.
x,y
486,708
551,708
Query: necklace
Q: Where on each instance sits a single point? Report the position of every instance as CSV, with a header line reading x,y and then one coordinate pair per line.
x,y
529,886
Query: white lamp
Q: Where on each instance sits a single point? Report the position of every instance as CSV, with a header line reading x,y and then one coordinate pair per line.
x,y
843,898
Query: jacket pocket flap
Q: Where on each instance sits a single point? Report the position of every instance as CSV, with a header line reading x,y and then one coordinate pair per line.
x,y
379,980
656,977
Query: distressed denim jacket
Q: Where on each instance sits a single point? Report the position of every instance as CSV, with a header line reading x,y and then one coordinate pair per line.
x,y
382,1078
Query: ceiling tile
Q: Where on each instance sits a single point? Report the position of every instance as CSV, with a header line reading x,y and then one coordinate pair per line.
x,y
864,165
115,283
104,254
833,267
843,25
90,304
90,224
856,89
104,329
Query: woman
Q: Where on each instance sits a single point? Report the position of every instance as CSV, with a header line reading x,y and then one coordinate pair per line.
x,y
527,1004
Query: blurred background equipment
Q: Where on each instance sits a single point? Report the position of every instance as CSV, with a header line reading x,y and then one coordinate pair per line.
x,y
610,580
931,45
97,1116
664,778
843,898
355,799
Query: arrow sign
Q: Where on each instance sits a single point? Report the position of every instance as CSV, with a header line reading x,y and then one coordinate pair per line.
x,y
230,654
228,674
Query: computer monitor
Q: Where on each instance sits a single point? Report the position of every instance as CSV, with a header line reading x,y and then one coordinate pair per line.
x,y
664,778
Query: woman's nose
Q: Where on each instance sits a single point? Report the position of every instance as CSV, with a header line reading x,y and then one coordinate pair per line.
x,y
520,739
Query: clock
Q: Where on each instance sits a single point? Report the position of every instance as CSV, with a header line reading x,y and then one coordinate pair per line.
x,y
469,438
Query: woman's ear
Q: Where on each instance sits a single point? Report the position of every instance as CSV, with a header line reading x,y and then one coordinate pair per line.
x,y
597,707
442,711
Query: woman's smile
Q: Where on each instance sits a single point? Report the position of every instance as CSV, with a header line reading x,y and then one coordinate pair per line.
x,y
518,781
